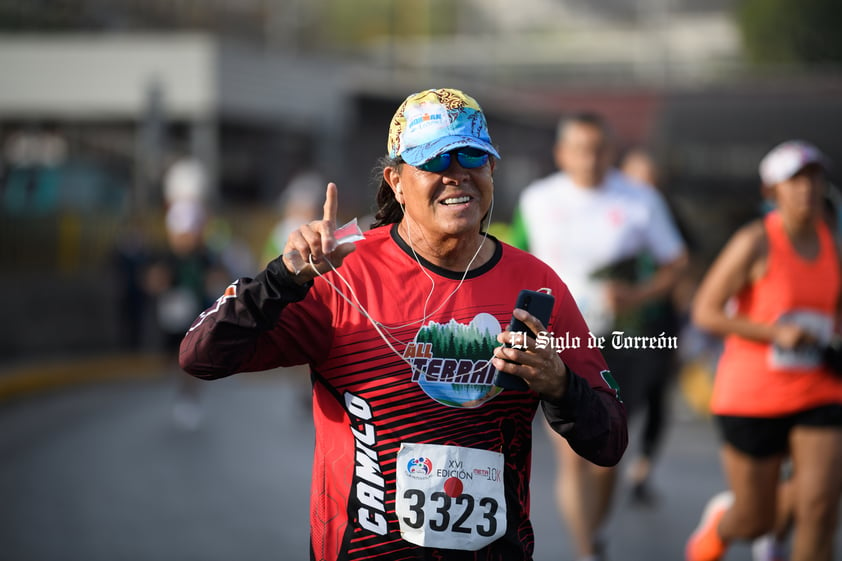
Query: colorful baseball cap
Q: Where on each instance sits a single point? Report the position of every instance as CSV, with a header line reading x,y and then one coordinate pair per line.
x,y
432,122
787,159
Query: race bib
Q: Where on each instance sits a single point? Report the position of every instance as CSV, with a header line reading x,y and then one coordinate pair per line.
x,y
809,356
450,497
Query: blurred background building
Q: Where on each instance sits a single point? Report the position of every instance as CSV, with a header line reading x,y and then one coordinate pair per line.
x,y
99,98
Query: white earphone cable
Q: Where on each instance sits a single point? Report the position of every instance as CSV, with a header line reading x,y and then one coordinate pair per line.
x,y
384,331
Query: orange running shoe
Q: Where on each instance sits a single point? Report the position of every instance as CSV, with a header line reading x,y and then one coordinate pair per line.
x,y
705,544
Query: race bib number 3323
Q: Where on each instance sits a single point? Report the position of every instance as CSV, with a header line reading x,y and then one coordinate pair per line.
x,y
449,496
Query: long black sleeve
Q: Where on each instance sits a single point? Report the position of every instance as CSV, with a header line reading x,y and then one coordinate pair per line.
x,y
592,420
226,338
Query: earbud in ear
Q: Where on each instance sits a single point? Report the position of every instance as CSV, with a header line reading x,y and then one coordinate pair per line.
x,y
398,189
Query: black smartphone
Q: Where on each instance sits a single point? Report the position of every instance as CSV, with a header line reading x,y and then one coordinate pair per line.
x,y
540,305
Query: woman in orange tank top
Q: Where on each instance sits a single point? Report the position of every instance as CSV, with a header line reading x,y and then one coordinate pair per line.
x,y
774,294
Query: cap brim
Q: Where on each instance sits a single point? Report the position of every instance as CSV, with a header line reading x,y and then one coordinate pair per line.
x,y
787,159
773,178
419,154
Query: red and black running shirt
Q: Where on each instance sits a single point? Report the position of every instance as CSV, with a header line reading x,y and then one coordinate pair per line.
x,y
432,392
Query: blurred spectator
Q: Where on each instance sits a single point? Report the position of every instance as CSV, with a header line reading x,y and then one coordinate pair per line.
x,y
234,253
660,315
186,180
695,360
299,203
184,280
591,224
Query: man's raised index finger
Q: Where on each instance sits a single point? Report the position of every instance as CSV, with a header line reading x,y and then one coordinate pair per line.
x,y
331,205
329,219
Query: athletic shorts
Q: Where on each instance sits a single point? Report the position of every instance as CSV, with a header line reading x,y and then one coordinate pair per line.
x,y
762,437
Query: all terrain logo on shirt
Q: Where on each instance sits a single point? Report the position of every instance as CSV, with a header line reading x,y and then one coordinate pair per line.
x,y
451,361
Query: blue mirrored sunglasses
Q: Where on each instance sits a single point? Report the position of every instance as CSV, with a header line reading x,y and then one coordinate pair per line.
x,y
468,158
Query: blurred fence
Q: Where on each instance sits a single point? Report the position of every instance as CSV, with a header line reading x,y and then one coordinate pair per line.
x,y
64,243
61,276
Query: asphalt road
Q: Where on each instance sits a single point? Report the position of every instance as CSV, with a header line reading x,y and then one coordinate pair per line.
x,y
98,471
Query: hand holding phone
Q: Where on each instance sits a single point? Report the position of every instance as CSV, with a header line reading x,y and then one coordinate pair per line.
x,y
540,305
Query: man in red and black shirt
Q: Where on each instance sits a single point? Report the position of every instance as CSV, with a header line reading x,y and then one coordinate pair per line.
x,y
419,455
